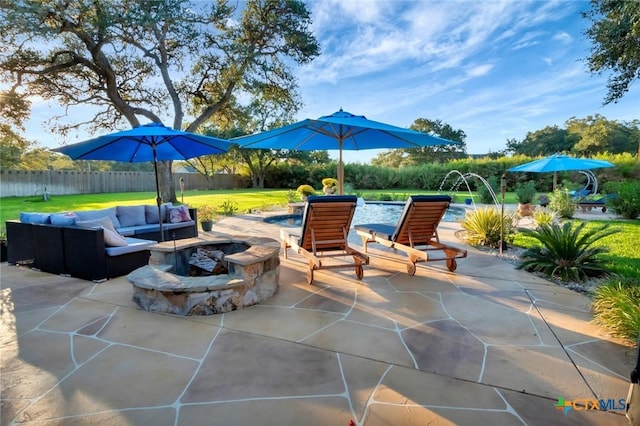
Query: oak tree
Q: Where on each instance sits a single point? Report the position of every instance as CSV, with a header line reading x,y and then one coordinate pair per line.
x,y
134,61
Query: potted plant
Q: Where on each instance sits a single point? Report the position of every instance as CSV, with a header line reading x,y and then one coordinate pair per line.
x,y
329,185
525,193
207,215
305,191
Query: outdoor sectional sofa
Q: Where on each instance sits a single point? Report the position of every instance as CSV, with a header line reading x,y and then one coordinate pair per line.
x,y
80,245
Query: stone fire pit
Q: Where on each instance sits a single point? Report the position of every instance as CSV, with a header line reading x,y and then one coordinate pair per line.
x,y
253,266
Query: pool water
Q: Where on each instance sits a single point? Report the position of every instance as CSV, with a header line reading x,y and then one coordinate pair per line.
x,y
369,213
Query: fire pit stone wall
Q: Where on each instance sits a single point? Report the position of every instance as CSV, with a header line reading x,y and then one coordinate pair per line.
x,y
253,276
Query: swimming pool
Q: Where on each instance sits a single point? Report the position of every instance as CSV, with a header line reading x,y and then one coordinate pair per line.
x,y
369,213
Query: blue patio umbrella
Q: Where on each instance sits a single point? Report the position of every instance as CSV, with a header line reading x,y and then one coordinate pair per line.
x,y
560,163
340,131
150,142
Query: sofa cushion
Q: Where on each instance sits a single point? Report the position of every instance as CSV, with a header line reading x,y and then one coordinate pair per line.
x,y
111,236
131,216
64,219
39,218
97,214
131,231
133,245
179,214
151,212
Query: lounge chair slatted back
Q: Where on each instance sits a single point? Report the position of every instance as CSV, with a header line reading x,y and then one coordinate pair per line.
x,y
327,224
325,227
419,222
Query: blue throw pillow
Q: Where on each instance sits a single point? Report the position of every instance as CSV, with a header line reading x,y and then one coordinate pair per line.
x,y
41,218
64,219
151,212
131,216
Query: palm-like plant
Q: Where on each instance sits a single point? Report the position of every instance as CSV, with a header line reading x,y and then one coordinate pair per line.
x,y
482,226
566,251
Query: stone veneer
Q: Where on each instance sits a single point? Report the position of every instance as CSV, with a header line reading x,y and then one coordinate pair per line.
x,y
254,272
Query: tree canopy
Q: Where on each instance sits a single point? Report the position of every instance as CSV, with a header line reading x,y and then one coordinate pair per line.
x,y
130,61
582,136
428,154
615,34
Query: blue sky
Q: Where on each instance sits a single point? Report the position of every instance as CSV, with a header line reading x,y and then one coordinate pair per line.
x,y
495,69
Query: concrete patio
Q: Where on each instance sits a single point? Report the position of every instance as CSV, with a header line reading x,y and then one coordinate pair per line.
x,y
487,344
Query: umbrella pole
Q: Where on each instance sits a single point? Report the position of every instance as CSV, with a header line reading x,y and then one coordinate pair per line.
x,y
340,172
555,180
158,198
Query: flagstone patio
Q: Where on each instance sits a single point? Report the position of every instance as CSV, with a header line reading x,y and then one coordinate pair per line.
x,y
487,344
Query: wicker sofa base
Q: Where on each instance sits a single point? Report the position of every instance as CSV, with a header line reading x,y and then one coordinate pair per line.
x,y
78,252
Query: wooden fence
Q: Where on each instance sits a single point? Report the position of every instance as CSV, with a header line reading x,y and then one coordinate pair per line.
x,y
25,183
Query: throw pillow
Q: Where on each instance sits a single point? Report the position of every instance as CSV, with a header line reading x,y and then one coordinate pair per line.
x,y
64,219
113,239
102,222
97,214
39,218
179,214
151,212
131,215
111,236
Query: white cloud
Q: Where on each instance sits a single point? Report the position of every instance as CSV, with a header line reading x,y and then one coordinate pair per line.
x,y
563,37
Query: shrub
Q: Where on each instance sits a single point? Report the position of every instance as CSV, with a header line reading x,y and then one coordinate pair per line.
x,y
560,202
482,226
626,203
229,207
483,191
526,192
306,190
291,196
544,217
566,251
616,305
329,182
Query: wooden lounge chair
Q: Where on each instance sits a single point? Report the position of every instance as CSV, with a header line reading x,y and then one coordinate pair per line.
x,y
325,225
416,232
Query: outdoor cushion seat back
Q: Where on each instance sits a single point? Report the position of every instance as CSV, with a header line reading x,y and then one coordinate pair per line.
x,y
326,221
420,219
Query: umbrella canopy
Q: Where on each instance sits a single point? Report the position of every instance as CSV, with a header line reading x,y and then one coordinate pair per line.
x,y
559,163
341,131
150,142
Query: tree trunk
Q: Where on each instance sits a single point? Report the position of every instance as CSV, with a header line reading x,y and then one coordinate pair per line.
x,y
165,180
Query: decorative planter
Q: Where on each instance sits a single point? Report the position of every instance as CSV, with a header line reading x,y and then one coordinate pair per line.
x,y
526,209
3,251
328,190
207,225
